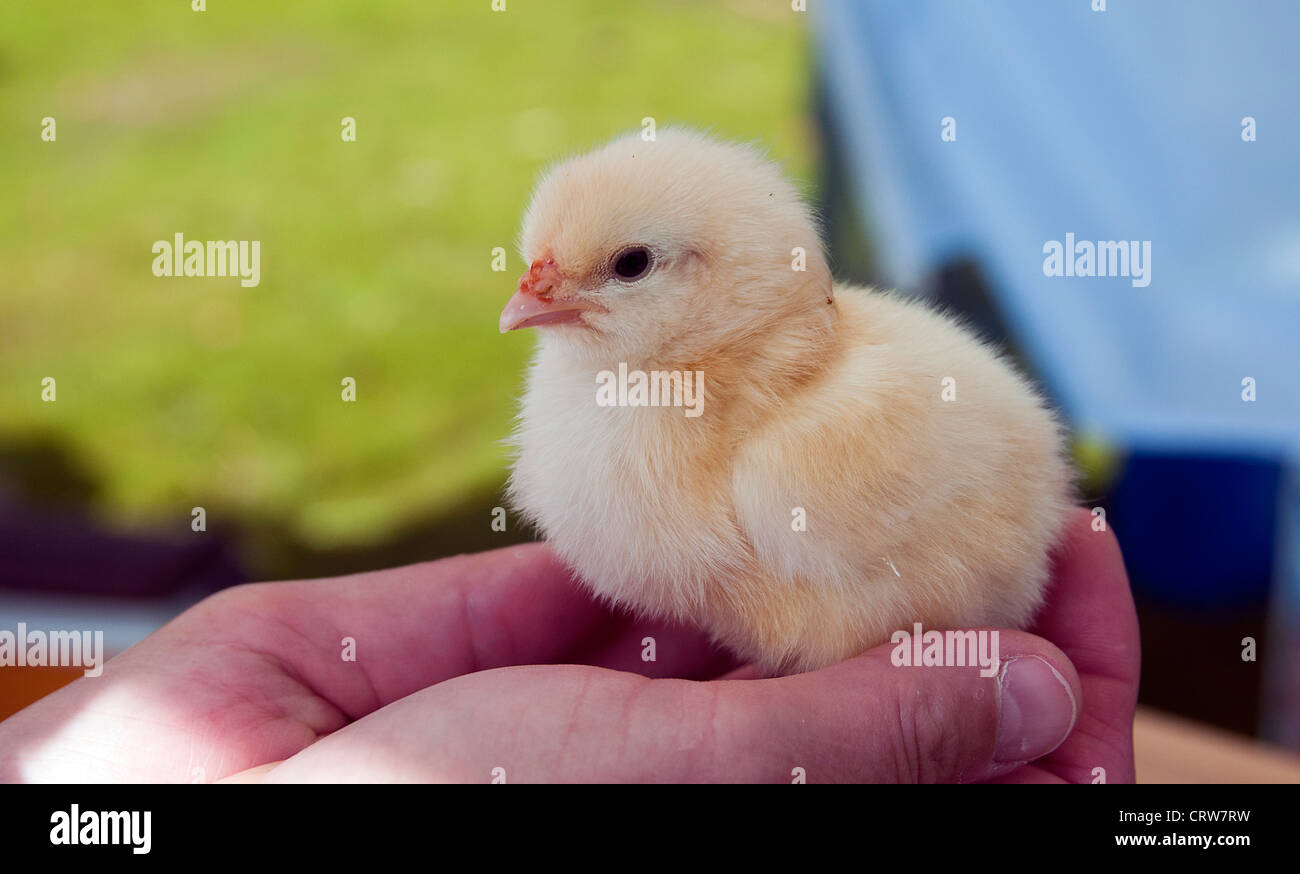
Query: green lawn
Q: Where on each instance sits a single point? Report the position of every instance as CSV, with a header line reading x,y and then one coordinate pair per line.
x,y
376,255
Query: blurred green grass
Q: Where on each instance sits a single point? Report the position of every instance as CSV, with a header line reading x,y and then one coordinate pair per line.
x,y
375,254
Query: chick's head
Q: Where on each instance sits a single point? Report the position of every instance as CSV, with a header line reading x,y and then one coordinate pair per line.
x,y
675,247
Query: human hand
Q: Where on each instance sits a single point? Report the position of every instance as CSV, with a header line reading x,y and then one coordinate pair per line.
x,y
418,705
256,673
861,720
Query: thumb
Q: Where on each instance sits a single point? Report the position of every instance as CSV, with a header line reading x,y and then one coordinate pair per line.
x,y
863,720
869,720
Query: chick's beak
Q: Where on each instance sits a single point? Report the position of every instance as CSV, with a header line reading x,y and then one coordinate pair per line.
x,y
542,299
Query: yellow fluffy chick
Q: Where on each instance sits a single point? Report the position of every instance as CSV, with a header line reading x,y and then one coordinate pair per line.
x,y
712,431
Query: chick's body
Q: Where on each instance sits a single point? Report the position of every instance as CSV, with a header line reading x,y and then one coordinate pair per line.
x,y
861,462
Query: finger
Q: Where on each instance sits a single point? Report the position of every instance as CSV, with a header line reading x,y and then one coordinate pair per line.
x,y
1090,615
861,720
868,720
1089,611
416,626
365,640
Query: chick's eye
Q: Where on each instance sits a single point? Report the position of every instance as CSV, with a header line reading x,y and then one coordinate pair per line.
x,y
632,263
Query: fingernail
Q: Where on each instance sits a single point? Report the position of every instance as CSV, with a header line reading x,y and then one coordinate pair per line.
x,y
1037,710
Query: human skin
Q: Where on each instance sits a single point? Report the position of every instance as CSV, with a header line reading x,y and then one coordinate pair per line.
x,y
500,660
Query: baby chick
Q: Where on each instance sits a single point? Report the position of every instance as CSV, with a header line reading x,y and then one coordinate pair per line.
x,y
858,462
